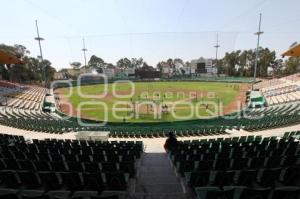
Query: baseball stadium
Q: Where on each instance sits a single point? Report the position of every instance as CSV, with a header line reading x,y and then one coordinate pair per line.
x,y
226,127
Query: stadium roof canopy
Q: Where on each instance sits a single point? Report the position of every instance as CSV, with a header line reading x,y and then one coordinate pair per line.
x,y
8,58
294,51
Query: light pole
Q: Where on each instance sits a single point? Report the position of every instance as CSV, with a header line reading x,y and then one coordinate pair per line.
x,y
256,53
217,46
190,70
84,49
39,39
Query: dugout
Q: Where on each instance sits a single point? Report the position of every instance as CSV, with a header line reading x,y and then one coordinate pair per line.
x,y
257,100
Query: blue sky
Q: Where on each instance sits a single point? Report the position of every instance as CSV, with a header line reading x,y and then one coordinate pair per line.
x,y
153,29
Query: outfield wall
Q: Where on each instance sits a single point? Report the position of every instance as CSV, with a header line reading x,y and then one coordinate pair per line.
x,y
193,79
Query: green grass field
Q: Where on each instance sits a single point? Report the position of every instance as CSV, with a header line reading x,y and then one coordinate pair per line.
x,y
170,101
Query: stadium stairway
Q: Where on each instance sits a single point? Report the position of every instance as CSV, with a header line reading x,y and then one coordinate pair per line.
x,y
157,179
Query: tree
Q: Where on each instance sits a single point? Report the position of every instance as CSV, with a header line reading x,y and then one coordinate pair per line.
x,y
230,61
266,58
146,67
96,62
4,72
49,70
292,65
124,63
188,64
246,63
31,68
159,65
277,66
171,63
21,50
178,60
75,65
245,60
136,63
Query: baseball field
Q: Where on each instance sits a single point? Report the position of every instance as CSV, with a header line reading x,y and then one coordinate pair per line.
x,y
151,101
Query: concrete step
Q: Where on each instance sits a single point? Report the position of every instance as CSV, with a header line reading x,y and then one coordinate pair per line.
x,y
159,188
150,180
161,169
156,179
155,163
155,157
156,173
163,196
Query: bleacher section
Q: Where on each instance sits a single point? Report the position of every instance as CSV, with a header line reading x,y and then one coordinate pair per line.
x,y
280,91
268,83
23,111
282,94
22,108
210,79
27,98
37,120
294,134
4,91
7,84
292,78
250,120
240,167
65,168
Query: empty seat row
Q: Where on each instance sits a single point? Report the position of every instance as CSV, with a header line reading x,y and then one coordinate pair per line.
x,y
66,165
58,194
126,155
44,180
235,164
233,192
61,166
249,178
246,161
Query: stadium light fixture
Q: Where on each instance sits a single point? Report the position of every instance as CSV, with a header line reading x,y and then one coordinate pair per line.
x,y
217,46
84,49
39,39
257,49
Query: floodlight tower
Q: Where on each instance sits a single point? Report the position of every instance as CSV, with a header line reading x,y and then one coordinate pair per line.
x,y
39,39
84,49
257,49
217,46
